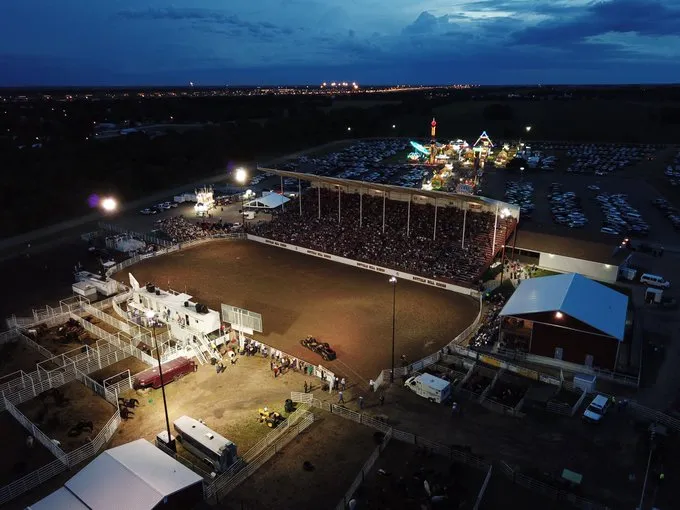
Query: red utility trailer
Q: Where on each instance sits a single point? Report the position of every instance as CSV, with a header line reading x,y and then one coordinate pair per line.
x,y
172,370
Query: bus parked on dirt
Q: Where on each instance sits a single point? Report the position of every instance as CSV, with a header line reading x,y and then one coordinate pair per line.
x,y
206,444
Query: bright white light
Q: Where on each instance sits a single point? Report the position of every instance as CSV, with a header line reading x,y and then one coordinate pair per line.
x,y
241,175
394,126
393,280
558,315
150,314
528,128
109,204
349,129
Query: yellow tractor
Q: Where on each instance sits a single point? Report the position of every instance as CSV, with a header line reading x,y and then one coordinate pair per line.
x,y
271,418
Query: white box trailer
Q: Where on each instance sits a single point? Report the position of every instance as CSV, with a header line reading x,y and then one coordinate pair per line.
x,y
430,387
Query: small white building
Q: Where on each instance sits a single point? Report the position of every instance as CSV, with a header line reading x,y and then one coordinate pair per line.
x,y
85,281
185,318
134,476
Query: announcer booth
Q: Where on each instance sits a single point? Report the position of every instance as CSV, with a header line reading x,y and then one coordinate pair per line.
x,y
134,476
184,317
567,317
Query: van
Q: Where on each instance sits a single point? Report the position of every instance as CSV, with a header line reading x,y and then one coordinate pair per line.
x,y
655,281
172,370
597,409
430,387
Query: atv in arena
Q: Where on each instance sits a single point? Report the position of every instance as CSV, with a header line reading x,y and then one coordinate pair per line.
x,y
321,348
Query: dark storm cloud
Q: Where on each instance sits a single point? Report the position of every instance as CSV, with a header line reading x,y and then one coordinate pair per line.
x,y
426,23
643,17
210,18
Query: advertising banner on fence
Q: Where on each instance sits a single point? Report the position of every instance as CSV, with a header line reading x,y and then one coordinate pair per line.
x,y
369,267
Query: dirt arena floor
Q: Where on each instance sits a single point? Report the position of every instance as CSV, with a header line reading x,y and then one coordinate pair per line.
x,y
56,421
336,447
299,295
227,402
397,480
131,363
502,494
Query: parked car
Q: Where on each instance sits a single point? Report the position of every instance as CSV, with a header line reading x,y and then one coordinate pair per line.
x,y
321,348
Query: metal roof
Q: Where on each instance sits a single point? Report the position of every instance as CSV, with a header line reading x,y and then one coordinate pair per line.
x,y
61,499
390,188
202,434
565,246
575,295
270,201
134,476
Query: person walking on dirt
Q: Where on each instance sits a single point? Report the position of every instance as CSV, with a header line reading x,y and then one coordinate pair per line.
x,y
361,402
341,400
342,384
306,387
371,385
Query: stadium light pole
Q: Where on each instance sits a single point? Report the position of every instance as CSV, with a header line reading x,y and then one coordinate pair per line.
x,y
150,314
241,178
109,204
393,282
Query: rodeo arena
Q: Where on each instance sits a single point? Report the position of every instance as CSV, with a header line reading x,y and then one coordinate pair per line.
x,y
137,395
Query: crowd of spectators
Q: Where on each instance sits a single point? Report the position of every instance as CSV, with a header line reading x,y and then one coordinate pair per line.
x,y
487,334
419,251
181,230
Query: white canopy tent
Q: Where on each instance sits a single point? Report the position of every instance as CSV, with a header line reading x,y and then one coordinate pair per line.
x,y
270,201
134,476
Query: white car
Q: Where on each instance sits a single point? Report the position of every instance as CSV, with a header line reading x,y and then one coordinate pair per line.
x,y
148,211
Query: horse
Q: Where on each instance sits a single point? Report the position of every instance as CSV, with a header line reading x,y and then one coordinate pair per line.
x,y
85,424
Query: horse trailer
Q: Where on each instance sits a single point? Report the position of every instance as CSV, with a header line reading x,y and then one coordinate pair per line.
x,y
172,370
204,443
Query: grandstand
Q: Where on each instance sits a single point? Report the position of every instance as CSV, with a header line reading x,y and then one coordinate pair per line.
x,y
444,236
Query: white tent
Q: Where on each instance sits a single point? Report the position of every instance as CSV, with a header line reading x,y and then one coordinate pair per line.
x,y
134,476
270,201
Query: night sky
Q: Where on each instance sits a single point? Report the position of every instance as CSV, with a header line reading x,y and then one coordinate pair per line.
x,y
219,42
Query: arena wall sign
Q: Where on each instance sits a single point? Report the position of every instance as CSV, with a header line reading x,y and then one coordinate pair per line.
x,y
369,267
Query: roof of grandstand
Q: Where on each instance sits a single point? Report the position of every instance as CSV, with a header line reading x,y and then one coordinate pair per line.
x,y
349,184
565,246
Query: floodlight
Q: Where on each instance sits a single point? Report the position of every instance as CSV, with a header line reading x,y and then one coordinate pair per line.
x,y
109,204
241,175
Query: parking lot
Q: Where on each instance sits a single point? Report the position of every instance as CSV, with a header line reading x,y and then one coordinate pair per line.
x,y
578,193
